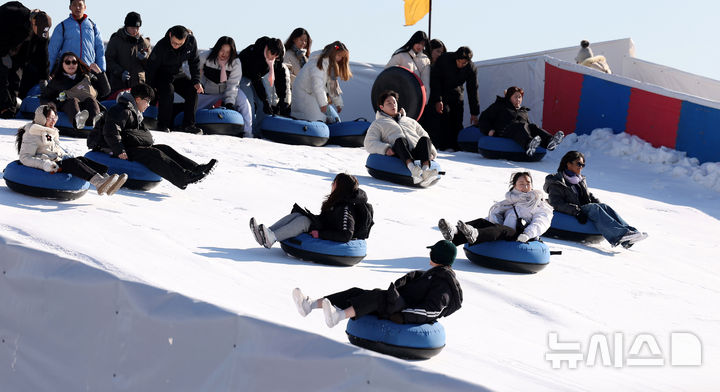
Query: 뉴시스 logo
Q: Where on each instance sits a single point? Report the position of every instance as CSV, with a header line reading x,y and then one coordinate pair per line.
x,y
683,349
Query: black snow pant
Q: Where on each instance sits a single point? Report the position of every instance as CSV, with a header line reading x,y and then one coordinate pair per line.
x,y
8,92
487,231
72,106
82,167
421,152
445,127
165,96
165,162
364,301
521,133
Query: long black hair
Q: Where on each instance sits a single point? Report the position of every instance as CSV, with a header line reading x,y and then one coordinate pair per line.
x,y
516,176
345,187
58,70
418,36
298,32
215,51
46,110
570,156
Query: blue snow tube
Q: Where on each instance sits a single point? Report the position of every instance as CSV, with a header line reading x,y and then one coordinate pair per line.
x,y
34,91
492,147
392,169
567,227
468,139
321,251
139,177
510,256
406,341
349,133
290,131
38,183
218,121
28,107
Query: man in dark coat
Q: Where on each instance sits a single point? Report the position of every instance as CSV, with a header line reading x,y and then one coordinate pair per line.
x,y
23,48
450,72
126,54
419,297
255,59
123,136
164,73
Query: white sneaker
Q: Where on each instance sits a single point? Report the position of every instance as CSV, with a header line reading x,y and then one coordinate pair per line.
x,y
268,236
429,175
532,146
416,172
556,139
448,232
468,231
333,314
303,303
256,232
81,118
631,238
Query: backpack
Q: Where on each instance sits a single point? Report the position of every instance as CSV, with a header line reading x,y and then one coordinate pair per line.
x,y
363,214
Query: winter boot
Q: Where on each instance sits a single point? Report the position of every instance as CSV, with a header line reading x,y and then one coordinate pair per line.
x,y
207,168
103,183
448,232
468,231
333,314
416,172
304,303
556,140
268,236
259,237
117,184
532,146
81,118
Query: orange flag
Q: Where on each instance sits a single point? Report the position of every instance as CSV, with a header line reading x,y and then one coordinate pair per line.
x,y
415,10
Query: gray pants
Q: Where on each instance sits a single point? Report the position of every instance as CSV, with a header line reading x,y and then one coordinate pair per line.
x,y
290,226
256,105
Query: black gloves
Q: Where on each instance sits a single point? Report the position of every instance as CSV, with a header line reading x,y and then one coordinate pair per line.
x,y
581,217
397,318
229,105
267,108
283,109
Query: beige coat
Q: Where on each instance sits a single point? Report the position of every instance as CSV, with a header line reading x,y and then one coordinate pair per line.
x,y
385,130
418,63
310,92
597,62
40,144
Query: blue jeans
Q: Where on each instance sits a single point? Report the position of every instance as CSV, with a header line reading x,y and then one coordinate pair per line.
x,y
607,221
256,105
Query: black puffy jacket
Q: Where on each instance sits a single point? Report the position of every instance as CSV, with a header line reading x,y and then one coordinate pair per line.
x,y
447,80
502,113
254,67
426,295
346,220
165,63
565,197
121,129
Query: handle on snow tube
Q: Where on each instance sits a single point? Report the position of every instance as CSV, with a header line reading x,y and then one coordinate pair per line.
x,y
555,252
361,119
304,128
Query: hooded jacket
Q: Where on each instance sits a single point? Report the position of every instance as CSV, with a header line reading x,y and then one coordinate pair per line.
x,y
122,128
531,206
122,55
165,62
346,220
254,67
383,132
565,197
40,144
425,296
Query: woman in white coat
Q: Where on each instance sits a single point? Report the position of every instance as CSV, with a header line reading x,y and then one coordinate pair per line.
x,y
523,215
316,86
413,56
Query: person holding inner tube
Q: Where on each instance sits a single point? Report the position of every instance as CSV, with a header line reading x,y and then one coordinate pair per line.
x,y
123,136
414,55
394,134
39,146
316,94
523,215
75,89
345,215
507,118
569,194
419,297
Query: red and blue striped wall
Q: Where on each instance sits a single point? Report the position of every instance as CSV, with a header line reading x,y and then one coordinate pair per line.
x,y
579,102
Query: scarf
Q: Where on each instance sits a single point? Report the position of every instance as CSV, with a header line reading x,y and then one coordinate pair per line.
x,y
223,72
300,54
529,200
571,177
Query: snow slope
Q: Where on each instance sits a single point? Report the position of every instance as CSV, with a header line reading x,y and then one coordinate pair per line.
x,y
195,247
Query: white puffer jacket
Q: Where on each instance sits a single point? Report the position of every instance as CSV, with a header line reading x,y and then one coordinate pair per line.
x,y
228,89
385,130
310,92
419,63
40,144
532,207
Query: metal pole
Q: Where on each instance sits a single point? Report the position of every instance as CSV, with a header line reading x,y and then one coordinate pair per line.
x,y
430,22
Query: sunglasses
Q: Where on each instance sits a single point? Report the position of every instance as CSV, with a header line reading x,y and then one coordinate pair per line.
x,y
579,164
70,62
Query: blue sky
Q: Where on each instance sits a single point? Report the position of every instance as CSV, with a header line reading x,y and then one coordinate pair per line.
x,y
680,35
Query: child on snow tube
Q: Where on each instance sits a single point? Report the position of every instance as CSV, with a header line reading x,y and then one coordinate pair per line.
x,y
394,134
523,215
418,297
339,219
39,147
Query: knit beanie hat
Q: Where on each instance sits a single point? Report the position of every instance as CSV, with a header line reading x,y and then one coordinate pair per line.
x,y
584,53
443,252
133,20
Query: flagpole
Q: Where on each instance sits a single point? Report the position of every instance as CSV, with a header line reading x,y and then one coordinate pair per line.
x,y
430,22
